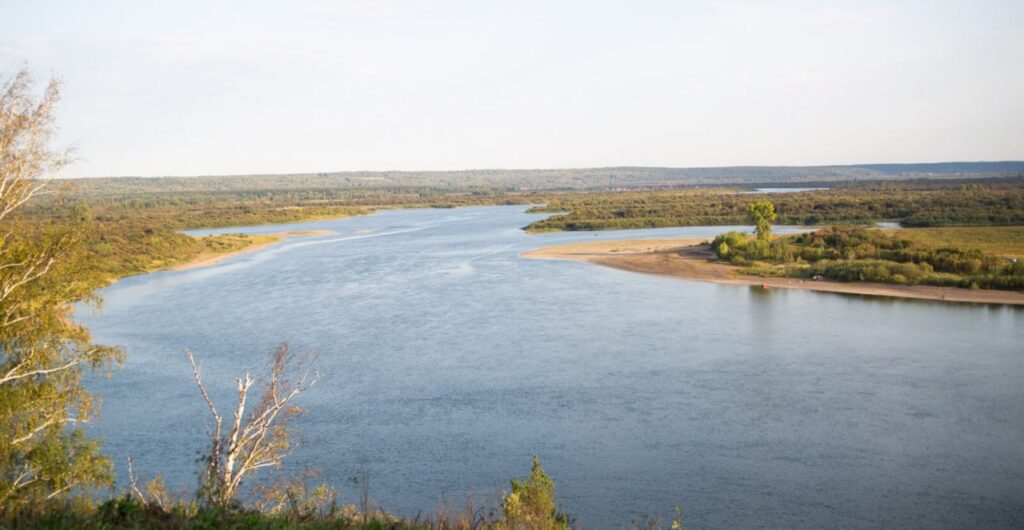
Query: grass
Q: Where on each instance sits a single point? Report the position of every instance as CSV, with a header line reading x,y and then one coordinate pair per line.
x,y
1004,241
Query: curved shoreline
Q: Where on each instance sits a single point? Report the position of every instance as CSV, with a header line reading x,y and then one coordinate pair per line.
x,y
208,259
687,258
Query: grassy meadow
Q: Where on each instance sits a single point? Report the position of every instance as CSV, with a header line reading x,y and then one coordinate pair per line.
x,y
1006,241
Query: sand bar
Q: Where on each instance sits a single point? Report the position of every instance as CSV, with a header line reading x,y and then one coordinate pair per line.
x,y
207,259
690,259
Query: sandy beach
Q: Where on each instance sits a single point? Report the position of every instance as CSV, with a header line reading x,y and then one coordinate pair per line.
x,y
207,259
689,259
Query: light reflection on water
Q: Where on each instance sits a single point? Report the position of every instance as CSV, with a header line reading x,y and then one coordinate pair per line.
x,y
450,361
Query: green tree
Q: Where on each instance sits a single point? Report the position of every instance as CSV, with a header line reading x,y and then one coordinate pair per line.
x,y
723,250
44,454
762,214
531,504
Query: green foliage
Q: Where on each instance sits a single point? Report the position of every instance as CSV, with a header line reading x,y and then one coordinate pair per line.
x,y
44,454
762,214
531,503
859,254
42,401
129,512
741,249
291,504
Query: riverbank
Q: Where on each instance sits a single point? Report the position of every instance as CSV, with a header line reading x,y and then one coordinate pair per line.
x,y
257,242
691,259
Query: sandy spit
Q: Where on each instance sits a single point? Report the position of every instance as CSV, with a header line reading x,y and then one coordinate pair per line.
x,y
689,259
206,259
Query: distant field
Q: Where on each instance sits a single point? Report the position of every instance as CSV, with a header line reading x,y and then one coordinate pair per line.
x,y
995,240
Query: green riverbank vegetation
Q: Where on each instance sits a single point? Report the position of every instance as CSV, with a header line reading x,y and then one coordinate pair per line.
x,y
137,233
853,254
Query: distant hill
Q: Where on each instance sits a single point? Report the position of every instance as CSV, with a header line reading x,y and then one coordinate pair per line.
x,y
548,179
949,168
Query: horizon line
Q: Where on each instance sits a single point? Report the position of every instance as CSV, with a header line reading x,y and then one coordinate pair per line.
x,y
592,168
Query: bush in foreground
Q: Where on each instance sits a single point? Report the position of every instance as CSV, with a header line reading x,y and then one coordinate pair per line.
x,y
530,505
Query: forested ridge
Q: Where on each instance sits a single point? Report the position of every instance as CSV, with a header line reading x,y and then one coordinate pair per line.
x,y
548,179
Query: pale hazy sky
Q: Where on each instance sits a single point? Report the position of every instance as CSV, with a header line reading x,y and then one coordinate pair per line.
x,y
205,87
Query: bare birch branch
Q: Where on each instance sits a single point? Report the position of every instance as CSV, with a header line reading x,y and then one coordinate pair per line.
x,y
255,441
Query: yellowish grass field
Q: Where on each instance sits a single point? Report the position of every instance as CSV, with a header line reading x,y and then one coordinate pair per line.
x,y
995,240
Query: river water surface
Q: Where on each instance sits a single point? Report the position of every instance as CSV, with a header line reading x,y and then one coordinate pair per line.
x,y
448,361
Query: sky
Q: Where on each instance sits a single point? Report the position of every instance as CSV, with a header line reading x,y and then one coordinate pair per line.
x,y
241,87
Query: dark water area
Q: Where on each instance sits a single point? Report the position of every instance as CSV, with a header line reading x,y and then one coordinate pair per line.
x,y
449,361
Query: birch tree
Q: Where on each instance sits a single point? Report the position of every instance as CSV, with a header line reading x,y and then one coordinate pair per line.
x,y
256,439
43,452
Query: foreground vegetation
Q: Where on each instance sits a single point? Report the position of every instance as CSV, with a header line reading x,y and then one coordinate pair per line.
x,y
530,504
44,268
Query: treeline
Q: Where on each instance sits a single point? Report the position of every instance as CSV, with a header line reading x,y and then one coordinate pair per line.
x,y
911,204
553,179
859,254
204,209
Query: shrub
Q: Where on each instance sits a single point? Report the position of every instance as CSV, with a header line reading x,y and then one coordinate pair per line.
x,y
531,503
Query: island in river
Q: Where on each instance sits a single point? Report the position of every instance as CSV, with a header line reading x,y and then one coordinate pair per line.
x,y
693,259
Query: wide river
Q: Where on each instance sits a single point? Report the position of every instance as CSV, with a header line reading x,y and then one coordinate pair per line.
x,y
448,361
